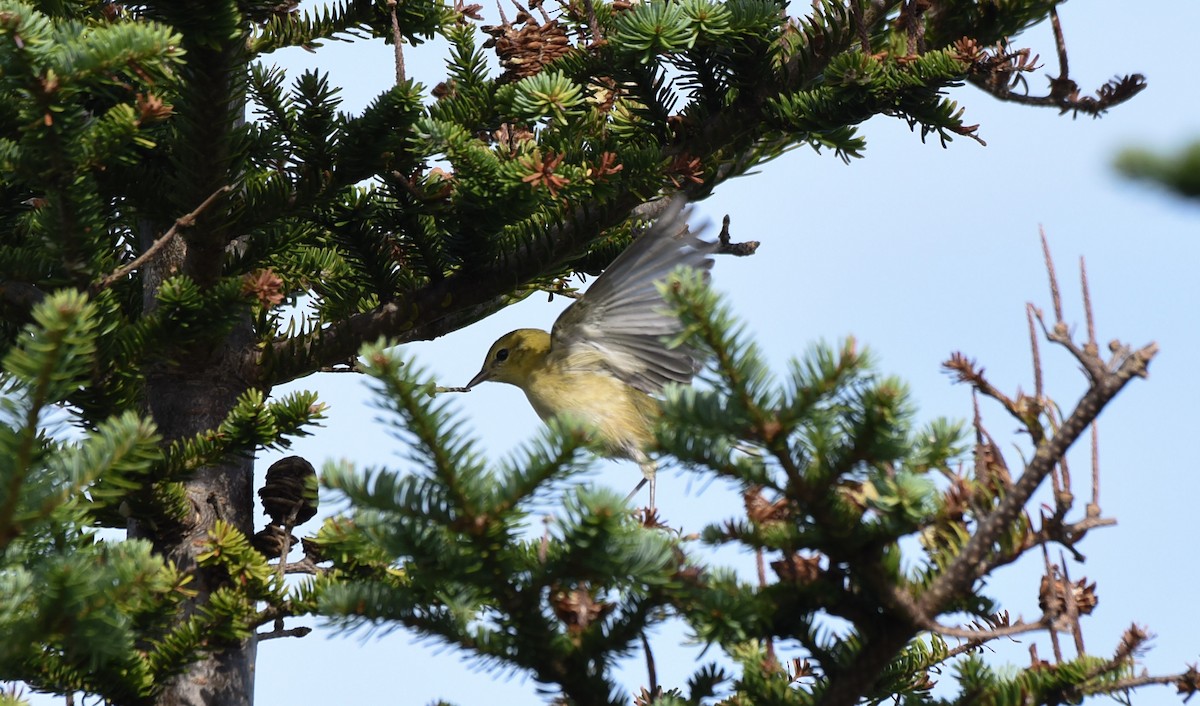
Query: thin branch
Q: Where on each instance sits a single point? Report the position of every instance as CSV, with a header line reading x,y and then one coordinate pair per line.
x,y
1092,346
185,221
1054,294
1091,364
1093,509
1060,44
304,566
1072,607
993,74
1070,534
398,42
1038,388
980,636
962,572
450,303
300,631
1131,683
726,247
1053,602
593,23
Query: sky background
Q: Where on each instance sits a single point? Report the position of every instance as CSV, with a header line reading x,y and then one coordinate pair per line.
x,y
916,251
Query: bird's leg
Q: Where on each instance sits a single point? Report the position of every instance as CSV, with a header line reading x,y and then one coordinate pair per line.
x,y
648,472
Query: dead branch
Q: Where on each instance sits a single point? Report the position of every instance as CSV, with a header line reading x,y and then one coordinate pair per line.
x,y
185,221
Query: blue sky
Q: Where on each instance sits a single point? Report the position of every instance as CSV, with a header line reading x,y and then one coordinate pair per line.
x,y
916,251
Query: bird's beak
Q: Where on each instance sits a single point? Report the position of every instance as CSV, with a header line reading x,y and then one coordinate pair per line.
x,y
483,376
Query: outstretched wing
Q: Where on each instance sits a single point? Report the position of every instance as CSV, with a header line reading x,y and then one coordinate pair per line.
x,y
620,322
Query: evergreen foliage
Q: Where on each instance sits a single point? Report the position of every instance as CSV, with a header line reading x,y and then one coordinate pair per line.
x,y
157,240
836,476
1178,172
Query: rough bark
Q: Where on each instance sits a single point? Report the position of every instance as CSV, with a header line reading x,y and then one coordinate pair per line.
x,y
186,397
185,400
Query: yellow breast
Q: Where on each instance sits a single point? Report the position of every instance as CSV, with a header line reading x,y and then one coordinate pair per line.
x,y
622,415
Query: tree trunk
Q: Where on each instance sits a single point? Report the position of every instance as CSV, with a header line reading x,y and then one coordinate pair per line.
x,y
184,403
190,394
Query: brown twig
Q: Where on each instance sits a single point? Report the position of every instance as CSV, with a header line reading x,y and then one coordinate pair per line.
x,y
726,247
1038,387
1053,602
300,631
1054,294
185,221
963,571
1072,606
593,23
1092,345
997,73
304,566
1093,509
1060,44
980,636
398,41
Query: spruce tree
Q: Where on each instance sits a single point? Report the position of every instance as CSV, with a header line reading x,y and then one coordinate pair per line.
x,y
170,203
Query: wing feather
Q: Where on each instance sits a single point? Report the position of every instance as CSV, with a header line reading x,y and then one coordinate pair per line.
x,y
621,321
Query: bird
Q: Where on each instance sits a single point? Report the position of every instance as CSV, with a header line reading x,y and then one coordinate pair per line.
x,y
606,356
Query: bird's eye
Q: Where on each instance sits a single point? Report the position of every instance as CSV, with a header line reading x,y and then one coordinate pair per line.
x,y
501,355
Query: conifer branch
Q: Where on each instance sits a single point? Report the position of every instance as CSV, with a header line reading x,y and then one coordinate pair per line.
x,y
999,73
185,221
453,302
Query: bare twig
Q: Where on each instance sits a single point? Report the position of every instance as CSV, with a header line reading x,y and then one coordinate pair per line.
x,y
185,221
963,571
300,631
999,73
304,566
1091,346
726,247
1091,364
1060,44
978,636
1070,534
593,23
398,41
966,371
1060,477
1130,683
1053,602
1072,607
1093,509
1054,294
1038,388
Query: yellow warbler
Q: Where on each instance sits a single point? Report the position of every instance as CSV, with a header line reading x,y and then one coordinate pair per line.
x,y
606,355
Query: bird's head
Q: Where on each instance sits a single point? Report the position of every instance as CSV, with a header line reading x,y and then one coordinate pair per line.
x,y
514,357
